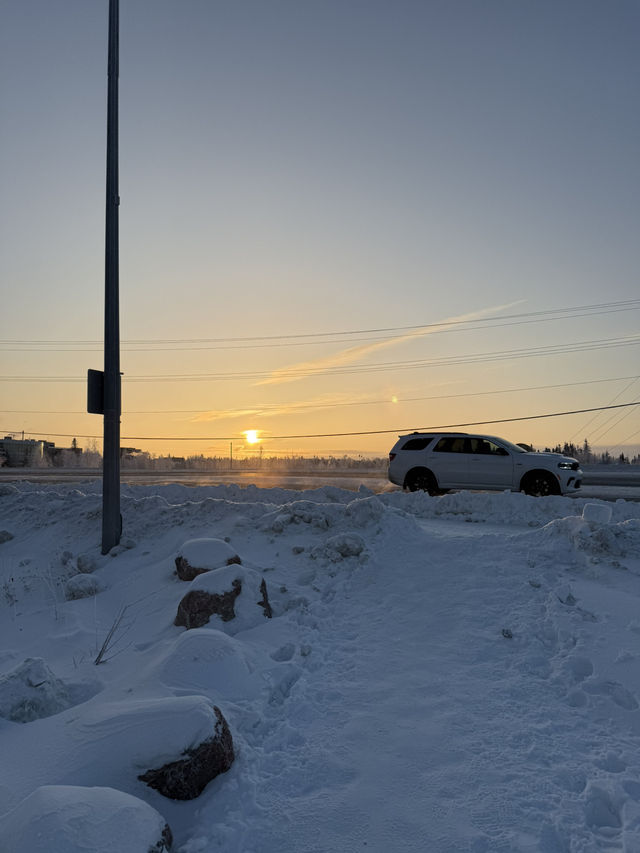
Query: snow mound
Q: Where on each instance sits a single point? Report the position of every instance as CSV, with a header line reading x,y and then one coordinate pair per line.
x,y
205,660
208,553
72,819
597,512
365,511
320,516
516,509
31,691
597,539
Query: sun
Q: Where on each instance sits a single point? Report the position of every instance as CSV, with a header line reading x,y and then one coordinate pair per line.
x,y
251,436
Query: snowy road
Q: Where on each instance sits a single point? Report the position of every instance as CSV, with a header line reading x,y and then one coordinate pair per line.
x,y
607,484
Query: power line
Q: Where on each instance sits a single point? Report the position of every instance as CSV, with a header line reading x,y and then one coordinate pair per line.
x,y
133,346
600,308
625,440
345,434
591,420
379,367
267,407
616,421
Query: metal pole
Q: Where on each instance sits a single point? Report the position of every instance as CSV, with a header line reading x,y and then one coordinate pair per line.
x,y
111,519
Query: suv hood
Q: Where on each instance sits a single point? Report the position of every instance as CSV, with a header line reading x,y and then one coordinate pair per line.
x,y
550,457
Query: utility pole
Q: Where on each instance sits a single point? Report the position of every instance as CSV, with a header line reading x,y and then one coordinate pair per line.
x,y
111,518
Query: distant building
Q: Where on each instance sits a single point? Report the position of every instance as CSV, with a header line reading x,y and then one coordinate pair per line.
x,y
27,452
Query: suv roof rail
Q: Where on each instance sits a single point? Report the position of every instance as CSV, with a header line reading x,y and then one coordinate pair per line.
x,y
434,432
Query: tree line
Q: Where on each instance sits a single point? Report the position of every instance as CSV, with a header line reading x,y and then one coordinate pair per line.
x,y
585,455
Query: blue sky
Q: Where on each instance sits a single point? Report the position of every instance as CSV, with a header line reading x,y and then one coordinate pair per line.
x,y
305,167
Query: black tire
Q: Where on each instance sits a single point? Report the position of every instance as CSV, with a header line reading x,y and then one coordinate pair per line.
x,y
422,480
540,484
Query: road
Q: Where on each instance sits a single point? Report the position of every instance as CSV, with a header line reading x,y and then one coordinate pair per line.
x,y
607,483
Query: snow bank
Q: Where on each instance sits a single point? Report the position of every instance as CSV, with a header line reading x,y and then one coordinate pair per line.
x,y
456,673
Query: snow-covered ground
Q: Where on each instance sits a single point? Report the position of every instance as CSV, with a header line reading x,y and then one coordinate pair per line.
x,y
458,673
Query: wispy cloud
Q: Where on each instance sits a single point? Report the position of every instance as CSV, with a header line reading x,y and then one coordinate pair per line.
x,y
270,410
353,354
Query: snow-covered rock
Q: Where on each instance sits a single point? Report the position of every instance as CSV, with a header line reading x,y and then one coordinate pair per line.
x,y
207,660
73,819
31,691
187,777
233,597
202,555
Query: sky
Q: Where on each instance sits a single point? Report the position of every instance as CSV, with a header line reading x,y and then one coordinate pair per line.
x,y
331,214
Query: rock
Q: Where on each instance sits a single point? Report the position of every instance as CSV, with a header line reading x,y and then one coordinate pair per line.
x,y
202,555
197,607
186,778
77,819
82,586
5,536
232,593
31,691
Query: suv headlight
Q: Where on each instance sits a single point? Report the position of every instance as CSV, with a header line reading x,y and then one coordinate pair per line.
x,y
568,466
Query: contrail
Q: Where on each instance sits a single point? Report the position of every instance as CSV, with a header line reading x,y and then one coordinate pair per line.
x,y
348,356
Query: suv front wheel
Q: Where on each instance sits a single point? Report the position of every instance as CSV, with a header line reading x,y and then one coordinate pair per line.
x,y
539,484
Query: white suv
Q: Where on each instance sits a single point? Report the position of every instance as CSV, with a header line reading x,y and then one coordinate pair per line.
x,y
438,461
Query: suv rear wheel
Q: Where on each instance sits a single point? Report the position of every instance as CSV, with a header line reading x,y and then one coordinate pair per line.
x,y
421,479
539,484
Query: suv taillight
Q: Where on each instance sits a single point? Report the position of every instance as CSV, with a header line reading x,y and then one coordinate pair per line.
x,y
392,456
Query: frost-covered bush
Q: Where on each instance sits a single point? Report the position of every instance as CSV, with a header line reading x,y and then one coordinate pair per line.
x,y
82,586
340,547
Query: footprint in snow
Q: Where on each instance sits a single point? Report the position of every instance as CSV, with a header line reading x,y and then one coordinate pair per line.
x,y
577,668
284,653
616,692
601,812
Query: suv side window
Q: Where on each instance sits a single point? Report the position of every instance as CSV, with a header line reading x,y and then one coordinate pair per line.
x,y
417,443
450,444
484,446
